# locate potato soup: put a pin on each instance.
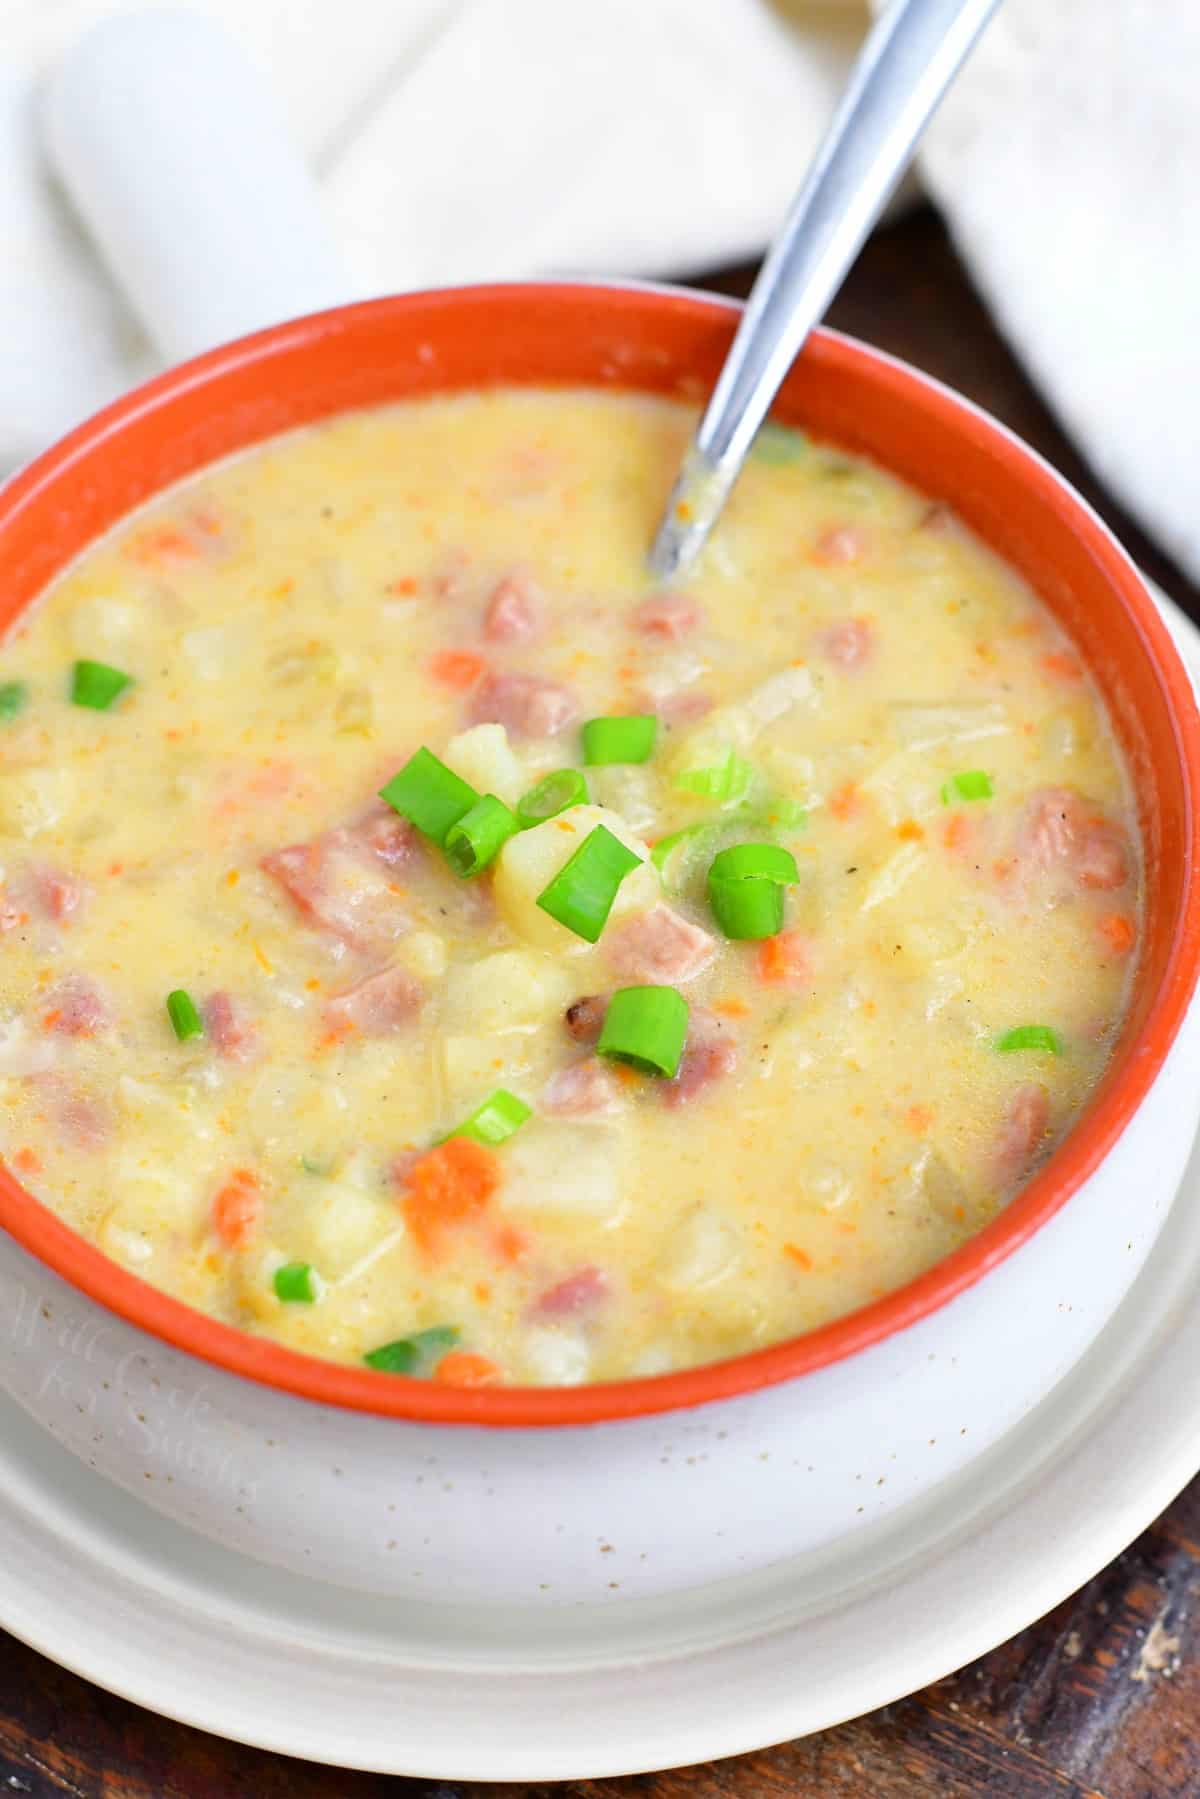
(714, 961)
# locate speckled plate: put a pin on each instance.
(137, 1604)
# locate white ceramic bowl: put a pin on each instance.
(557, 1496)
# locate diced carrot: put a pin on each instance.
(462, 1369)
(800, 1256)
(918, 1119)
(165, 543)
(28, 1161)
(1119, 932)
(1061, 666)
(237, 1211)
(457, 668)
(405, 585)
(448, 1188)
(954, 831)
(732, 1008)
(909, 831)
(510, 1243)
(846, 801)
(783, 960)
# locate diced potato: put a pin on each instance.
(213, 650)
(105, 626)
(339, 1223)
(923, 726)
(529, 862)
(22, 1053)
(905, 787)
(629, 790)
(513, 990)
(33, 800)
(423, 953)
(484, 757)
(772, 698)
(823, 1184)
(132, 1245)
(895, 873)
(153, 1105)
(703, 1249)
(555, 1356)
(562, 1170)
(471, 1066)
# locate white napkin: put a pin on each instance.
(466, 139)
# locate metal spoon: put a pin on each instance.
(908, 61)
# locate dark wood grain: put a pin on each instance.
(1100, 1700)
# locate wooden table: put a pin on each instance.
(1100, 1700)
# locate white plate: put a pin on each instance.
(142, 1607)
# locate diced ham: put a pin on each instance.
(57, 892)
(658, 946)
(526, 705)
(683, 707)
(230, 1027)
(514, 611)
(1022, 1132)
(75, 1007)
(849, 644)
(584, 1089)
(581, 1292)
(45, 892)
(667, 616)
(709, 1054)
(842, 544)
(341, 886)
(1061, 833)
(584, 1017)
(385, 834)
(383, 1003)
(81, 1119)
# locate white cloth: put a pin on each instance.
(467, 139)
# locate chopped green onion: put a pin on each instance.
(479, 836)
(1030, 1036)
(970, 784)
(314, 1165)
(747, 910)
(782, 814)
(646, 1027)
(430, 795)
(628, 739)
(495, 1120)
(745, 889)
(552, 795)
(297, 1283)
(181, 1010)
(755, 861)
(727, 780)
(418, 1354)
(779, 444)
(14, 697)
(97, 685)
(582, 892)
(661, 854)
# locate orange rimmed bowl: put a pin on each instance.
(404, 1486)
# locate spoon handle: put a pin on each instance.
(905, 66)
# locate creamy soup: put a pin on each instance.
(776, 993)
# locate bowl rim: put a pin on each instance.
(85, 1267)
